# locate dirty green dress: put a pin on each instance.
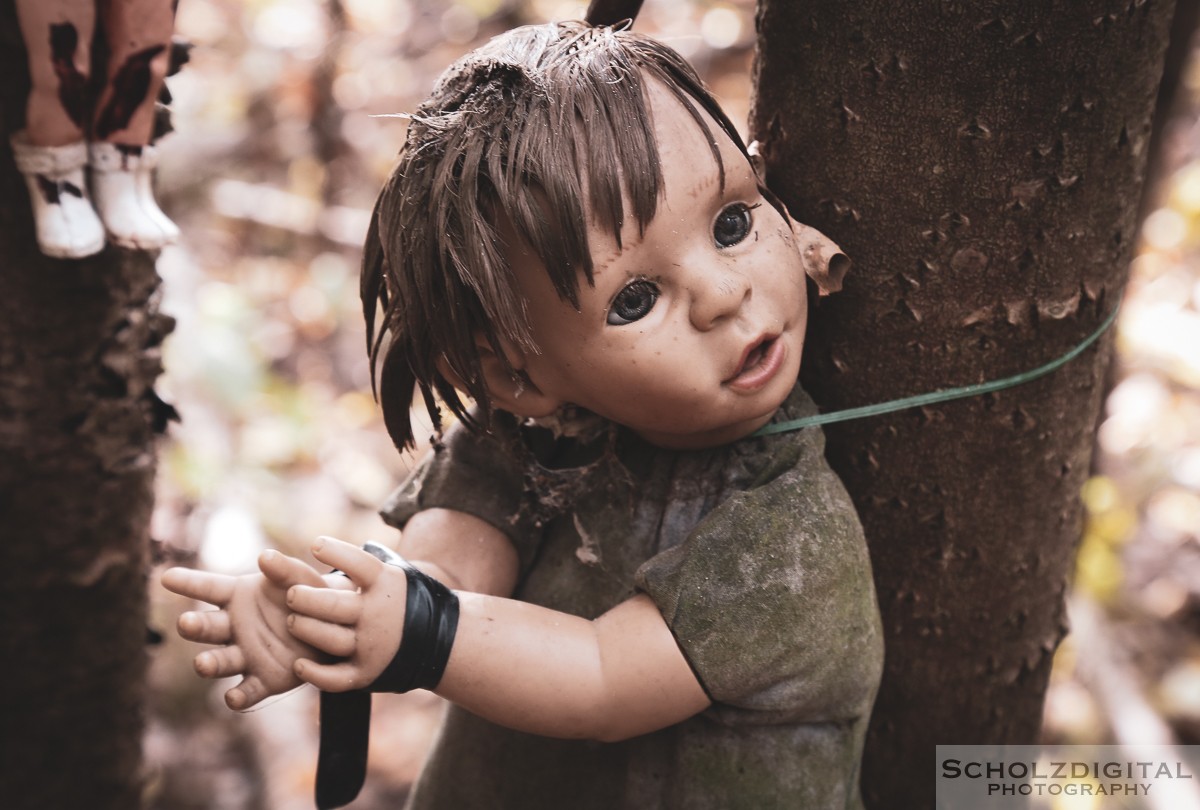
(754, 555)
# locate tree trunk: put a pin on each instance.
(981, 164)
(78, 358)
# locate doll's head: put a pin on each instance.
(574, 220)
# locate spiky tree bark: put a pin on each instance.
(981, 164)
(79, 353)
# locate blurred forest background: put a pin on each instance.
(283, 137)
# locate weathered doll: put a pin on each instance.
(652, 606)
(69, 127)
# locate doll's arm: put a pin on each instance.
(555, 674)
(516, 664)
(251, 625)
(461, 551)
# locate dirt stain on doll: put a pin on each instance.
(72, 84)
(129, 152)
(129, 88)
(52, 191)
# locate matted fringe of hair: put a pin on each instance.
(517, 131)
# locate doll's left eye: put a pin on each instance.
(732, 225)
(632, 303)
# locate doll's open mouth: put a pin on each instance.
(760, 363)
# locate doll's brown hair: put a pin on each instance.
(520, 131)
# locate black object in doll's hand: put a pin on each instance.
(342, 756)
(430, 623)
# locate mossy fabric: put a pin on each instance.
(754, 555)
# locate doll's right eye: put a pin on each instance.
(632, 303)
(733, 224)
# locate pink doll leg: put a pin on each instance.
(50, 151)
(138, 33)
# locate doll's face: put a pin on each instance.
(693, 332)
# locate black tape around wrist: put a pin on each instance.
(430, 623)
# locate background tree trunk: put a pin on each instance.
(78, 357)
(981, 164)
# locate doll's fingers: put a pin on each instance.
(284, 571)
(355, 563)
(339, 677)
(339, 581)
(335, 639)
(207, 627)
(216, 589)
(221, 662)
(247, 693)
(326, 604)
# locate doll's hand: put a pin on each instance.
(363, 628)
(251, 624)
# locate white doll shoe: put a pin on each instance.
(67, 225)
(121, 184)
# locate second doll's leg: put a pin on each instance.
(138, 33)
(58, 37)
(50, 151)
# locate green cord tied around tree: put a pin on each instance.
(944, 395)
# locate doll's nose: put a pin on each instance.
(717, 293)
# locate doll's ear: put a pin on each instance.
(824, 261)
(508, 387)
